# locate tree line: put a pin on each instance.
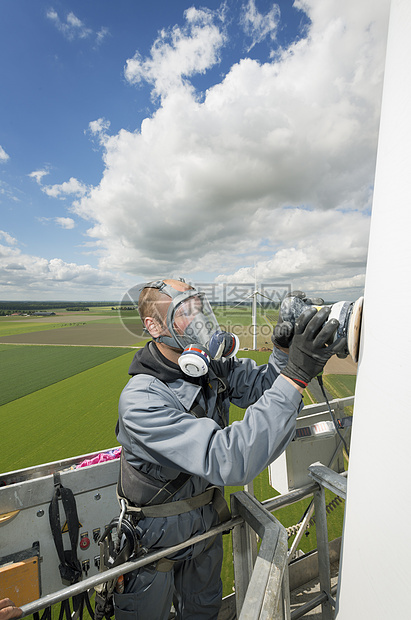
(28, 307)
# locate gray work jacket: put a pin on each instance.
(161, 438)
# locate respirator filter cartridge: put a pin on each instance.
(194, 361)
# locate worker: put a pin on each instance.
(8, 610)
(177, 443)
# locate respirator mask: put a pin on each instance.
(193, 327)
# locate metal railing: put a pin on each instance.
(264, 592)
(261, 579)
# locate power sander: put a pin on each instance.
(347, 313)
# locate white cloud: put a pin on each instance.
(3, 155)
(55, 278)
(68, 188)
(274, 166)
(38, 175)
(72, 27)
(101, 34)
(179, 53)
(11, 241)
(257, 25)
(100, 126)
(99, 130)
(10, 192)
(326, 255)
(65, 222)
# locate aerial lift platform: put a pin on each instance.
(29, 555)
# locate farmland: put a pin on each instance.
(60, 383)
(104, 327)
(27, 369)
(65, 329)
(75, 416)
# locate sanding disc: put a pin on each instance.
(354, 329)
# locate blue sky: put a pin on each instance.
(219, 141)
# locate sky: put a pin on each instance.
(223, 142)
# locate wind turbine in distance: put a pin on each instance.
(253, 296)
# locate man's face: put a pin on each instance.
(187, 318)
(186, 313)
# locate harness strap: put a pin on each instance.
(165, 564)
(131, 479)
(70, 567)
(220, 505)
(211, 495)
(170, 509)
(197, 410)
(167, 492)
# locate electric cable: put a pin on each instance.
(46, 615)
(321, 384)
(89, 606)
(65, 610)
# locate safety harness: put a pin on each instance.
(141, 496)
(146, 497)
(70, 567)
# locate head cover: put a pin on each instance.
(194, 329)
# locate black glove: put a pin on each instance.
(312, 345)
(283, 332)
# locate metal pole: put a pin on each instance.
(323, 551)
(254, 320)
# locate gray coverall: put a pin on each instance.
(161, 438)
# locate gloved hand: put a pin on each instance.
(223, 344)
(312, 345)
(283, 332)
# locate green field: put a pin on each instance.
(104, 328)
(11, 328)
(69, 328)
(27, 369)
(61, 401)
(238, 320)
(74, 416)
(340, 385)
